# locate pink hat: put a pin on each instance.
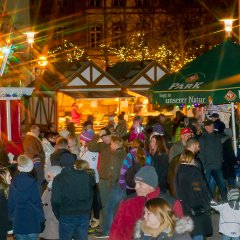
(86, 136)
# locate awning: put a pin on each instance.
(97, 94)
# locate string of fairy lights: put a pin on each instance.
(68, 51)
(138, 50)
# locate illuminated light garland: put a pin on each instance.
(72, 52)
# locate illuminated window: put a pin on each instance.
(94, 3)
(95, 36)
(118, 3)
(117, 35)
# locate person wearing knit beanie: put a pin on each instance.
(25, 164)
(86, 136)
(147, 175)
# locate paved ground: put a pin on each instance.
(216, 235)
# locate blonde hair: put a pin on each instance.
(187, 156)
(3, 181)
(84, 166)
(162, 210)
(81, 165)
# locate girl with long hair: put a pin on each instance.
(136, 154)
(159, 222)
(159, 153)
(5, 180)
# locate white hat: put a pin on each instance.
(64, 133)
(25, 164)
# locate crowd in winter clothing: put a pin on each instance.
(152, 182)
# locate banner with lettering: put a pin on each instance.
(214, 77)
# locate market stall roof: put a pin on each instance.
(137, 76)
(96, 94)
(212, 77)
(91, 78)
(55, 75)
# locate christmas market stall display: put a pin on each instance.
(94, 92)
(212, 78)
(136, 78)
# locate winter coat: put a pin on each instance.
(4, 223)
(135, 135)
(72, 193)
(229, 157)
(32, 146)
(24, 204)
(127, 163)
(211, 151)
(91, 158)
(51, 230)
(105, 156)
(117, 158)
(229, 221)
(191, 189)
(63, 158)
(182, 229)
(160, 163)
(131, 210)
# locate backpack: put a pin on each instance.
(130, 174)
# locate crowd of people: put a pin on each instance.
(158, 181)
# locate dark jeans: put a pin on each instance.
(115, 196)
(217, 174)
(32, 236)
(74, 227)
(96, 205)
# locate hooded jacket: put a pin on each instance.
(63, 158)
(182, 229)
(24, 204)
(72, 193)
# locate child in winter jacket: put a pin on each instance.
(229, 215)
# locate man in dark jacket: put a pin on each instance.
(218, 124)
(101, 144)
(72, 193)
(62, 156)
(116, 193)
(211, 155)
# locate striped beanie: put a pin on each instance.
(86, 136)
(233, 195)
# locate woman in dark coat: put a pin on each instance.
(159, 154)
(191, 189)
(25, 209)
(5, 226)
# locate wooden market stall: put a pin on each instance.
(136, 78)
(95, 92)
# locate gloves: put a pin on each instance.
(42, 226)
